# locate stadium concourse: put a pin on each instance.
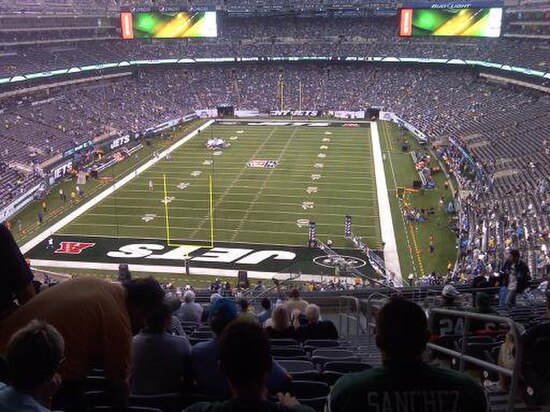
(327, 125)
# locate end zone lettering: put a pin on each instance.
(215, 255)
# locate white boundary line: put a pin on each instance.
(391, 256)
(113, 267)
(107, 192)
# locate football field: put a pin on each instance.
(259, 194)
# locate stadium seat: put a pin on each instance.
(202, 335)
(283, 342)
(128, 409)
(322, 356)
(167, 402)
(292, 366)
(346, 367)
(287, 352)
(311, 393)
(322, 343)
(330, 377)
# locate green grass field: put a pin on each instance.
(252, 205)
(322, 174)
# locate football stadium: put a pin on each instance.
(226, 205)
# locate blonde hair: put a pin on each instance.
(280, 318)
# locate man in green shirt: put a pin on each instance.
(405, 383)
(245, 361)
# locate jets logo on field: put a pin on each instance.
(196, 173)
(311, 189)
(265, 164)
(182, 185)
(307, 205)
(73, 248)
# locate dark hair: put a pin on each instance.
(515, 254)
(243, 304)
(144, 293)
(266, 303)
(155, 320)
(294, 293)
(33, 355)
(244, 353)
(401, 329)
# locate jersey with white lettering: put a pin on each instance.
(407, 387)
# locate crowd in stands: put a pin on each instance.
(111, 344)
(54, 45)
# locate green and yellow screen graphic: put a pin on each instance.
(146, 25)
(470, 22)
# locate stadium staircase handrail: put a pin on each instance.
(512, 373)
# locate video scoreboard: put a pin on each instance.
(473, 19)
(167, 24)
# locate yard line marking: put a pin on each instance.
(246, 201)
(304, 235)
(219, 218)
(262, 187)
(228, 189)
(152, 208)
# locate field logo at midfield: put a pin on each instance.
(263, 164)
(73, 248)
(148, 217)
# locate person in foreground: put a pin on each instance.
(405, 382)
(245, 362)
(96, 319)
(34, 353)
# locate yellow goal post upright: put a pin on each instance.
(210, 217)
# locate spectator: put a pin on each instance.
(205, 313)
(295, 301)
(267, 310)
(189, 311)
(516, 277)
(33, 355)
(247, 312)
(246, 363)
(280, 327)
(315, 328)
(16, 275)
(96, 319)
(160, 361)
(205, 355)
(443, 327)
(401, 336)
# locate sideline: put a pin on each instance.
(107, 192)
(179, 270)
(391, 256)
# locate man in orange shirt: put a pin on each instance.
(96, 318)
